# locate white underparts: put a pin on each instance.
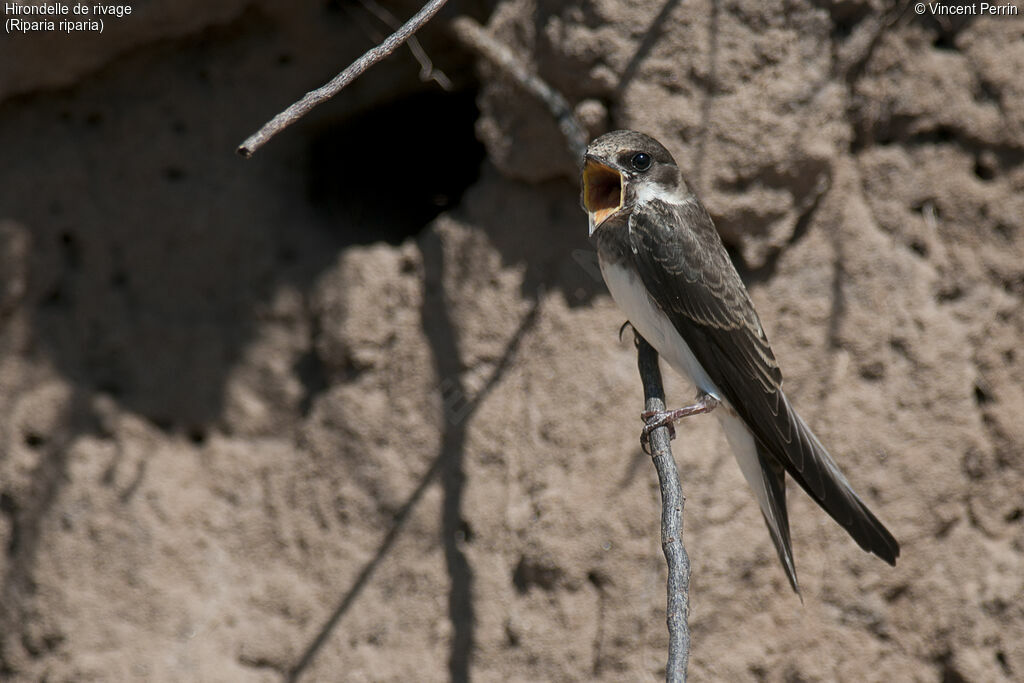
(650, 321)
(646, 316)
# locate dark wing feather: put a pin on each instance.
(689, 273)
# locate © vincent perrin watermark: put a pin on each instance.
(973, 9)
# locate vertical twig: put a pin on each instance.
(473, 36)
(672, 502)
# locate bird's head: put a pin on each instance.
(622, 168)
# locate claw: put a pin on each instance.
(653, 419)
(661, 420)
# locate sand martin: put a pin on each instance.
(667, 269)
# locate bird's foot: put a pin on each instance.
(653, 419)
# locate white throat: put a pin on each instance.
(648, 191)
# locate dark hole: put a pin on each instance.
(945, 29)
(1014, 285)
(948, 671)
(1014, 515)
(984, 170)
(919, 247)
(384, 174)
(466, 531)
(987, 92)
(950, 292)
(1005, 230)
(896, 592)
(981, 394)
(529, 573)
(873, 371)
(944, 41)
(33, 440)
(1003, 664)
(9, 507)
(313, 375)
(842, 29)
(197, 435)
(519, 578)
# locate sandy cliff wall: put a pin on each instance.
(356, 409)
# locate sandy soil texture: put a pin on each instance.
(356, 409)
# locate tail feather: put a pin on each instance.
(767, 479)
(777, 518)
(836, 496)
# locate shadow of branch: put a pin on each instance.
(458, 410)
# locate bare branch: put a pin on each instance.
(427, 70)
(473, 36)
(326, 92)
(672, 501)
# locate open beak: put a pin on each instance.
(602, 192)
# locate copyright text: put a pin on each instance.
(974, 9)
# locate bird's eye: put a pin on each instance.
(641, 161)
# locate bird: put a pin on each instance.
(666, 268)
